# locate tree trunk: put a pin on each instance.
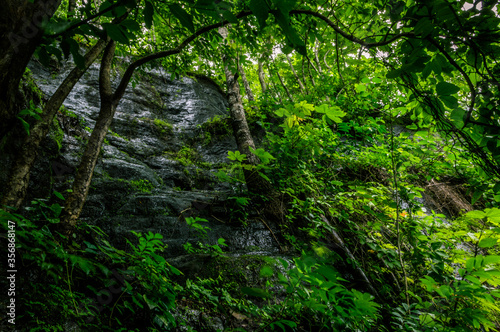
(17, 185)
(255, 183)
(301, 85)
(20, 35)
(284, 87)
(309, 64)
(262, 78)
(246, 84)
(83, 178)
(316, 58)
(325, 62)
(71, 7)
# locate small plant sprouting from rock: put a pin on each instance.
(215, 127)
(142, 185)
(163, 127)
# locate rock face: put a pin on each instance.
(157, 166)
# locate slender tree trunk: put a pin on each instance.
(301, 85)
(262, 79)
(309, 64)
(71, 7)
(20, 35)
(325, 62)
(24, 159)
(304, 75)
(246, 84)
(255, 183)
(284, 87)
(83, 178)
(316, 58)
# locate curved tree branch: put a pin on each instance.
(348, 36)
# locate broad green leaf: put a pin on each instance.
(281, 112)
(266, 271)
(183, 16)
(424, 27)
(229, 16)
(493, 213)
(360, 87)
(261, 11)
(491, 259)
(335, 114)
(476, 214)
(469, 264)
(449, 101)
(457, 115)
(285, 5)
(394, 73)
(258, 292)
(131, 25)
(26, 125)
(477, 195)
(446, 89)
(236, 155)
(321, 108)
(487, 242)
(59, 195)
(263, 155)
(148, 14)
(115, 33)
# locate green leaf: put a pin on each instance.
(281, 112)
(183, 16)
(148, 14)
(131, 25)
(266, 271)
(236, 155)
(449, 101)
(487, 243)
(335, 114)
(115, 32)
(469, 264)
(59, 195)
(424, 27)
(446, 89)
(261, 11)
(263, 155)
(258, 292)
(394, 73)
(229, 16)
(492, 213)
(26, 125)
(476, 214)
(491, 259)
(285, 5)
(360, 87)
(321, 108)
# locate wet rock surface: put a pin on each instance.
(143, 182)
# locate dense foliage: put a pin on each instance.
(379, 130)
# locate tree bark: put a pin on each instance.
(246, 84)
(284, 87)
(309, 64)
(20, 35)
(24, 159)
(301, 85)
(316, 58)
(262, 79)
(83, 178)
